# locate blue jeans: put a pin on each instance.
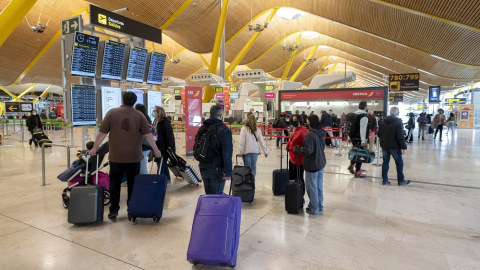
(314, 185)
(212, 178)
(279, 139)
(143, 163)
(397, 156)
(250, 160)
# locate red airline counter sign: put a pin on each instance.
(333, 94)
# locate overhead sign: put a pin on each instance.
(26, 106)
(12, 107)
(177, 91)
(233, 89)
(422, 106)
(434, 93)
(113, 21)
(219, 96)
(218, 89)
(404, 82)
(269, 87)
(85, 53)
(395, 97)
(234, 96)
(270, 95)
(455, 101)
(70, 25)
(364, 94)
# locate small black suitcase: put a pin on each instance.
(280, 178)
(243, 183)
(294, 194)
(86, 202)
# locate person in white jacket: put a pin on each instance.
(249, 148)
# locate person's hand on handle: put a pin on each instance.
(157, 153)
(93, 152)
(266, 155)
(404, 151)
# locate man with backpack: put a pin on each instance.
(358, 133)
(213, 149)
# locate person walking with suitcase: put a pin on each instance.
(33, 122)
(214, 149)
(358, 134)
(393, 144)
(439, 121)
(145, 147)
(297, 138)
(126, 128)
(165, 138)
(249, 148)
(314, 163)
(422, 125)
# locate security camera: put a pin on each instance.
(39, 28)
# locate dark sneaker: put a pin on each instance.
(112, 215)
(360, 174)
(386, 183)
(405, 182)
(351, 169)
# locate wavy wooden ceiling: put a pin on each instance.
(375, 37)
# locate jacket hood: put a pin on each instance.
(319, 132)
(300, 128)
(390, 119)
(212, 121)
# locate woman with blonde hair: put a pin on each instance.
(165, 137)
(250, 138)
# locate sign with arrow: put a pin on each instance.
(12, 108)
(70, 25)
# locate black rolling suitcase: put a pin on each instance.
(40, 137)
(86, 202)
(294, 194)
(280, 178)
(243, 183)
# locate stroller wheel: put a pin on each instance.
(106, 197)
(65, 201)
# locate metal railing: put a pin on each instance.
(43, 158)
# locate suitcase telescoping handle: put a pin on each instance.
(87, 172)
(159, 165)
(220, 182)
(281, 155)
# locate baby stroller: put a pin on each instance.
(75, 174)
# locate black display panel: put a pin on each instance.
(156, 67)
(85, 53)
(434, 94)
(113, 59)
(83, 105)
(137, 60)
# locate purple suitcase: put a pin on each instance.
(215, 230)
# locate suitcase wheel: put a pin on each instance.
(106, 197)
(65, 201)
(156, 219)
(195, 263)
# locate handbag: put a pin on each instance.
(408, 126)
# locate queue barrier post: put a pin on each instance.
(340, 143)
(378, 154)
(43, 158)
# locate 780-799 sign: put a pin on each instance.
(404, 82)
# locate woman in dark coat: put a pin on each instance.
(165, 137)
(33, 122)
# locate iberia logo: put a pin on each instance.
(196, 95)
(371, 94)
(102, 19)
(309, 107)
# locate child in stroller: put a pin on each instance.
(75, 174)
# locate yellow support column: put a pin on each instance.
(247, 47)
(290, 60)
(10, 94)
(176, 14)
(44, 94)
(27, 90)
(12, 15)
(302, 66)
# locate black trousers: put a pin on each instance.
(117, 170)
(440, 127)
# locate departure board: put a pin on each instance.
(137, 61)
(83, 105)
(113, 58)
(85, 53)
(156, 67)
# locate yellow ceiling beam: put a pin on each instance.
(204, 61)
(304, 63)
(26, 90)
(45, 49)
(323, 65)
(15, 98)
(292, 57)
(12, 15)
(331, 70)
(247, 47)
(176, 14)
(218, 37)
(44, 94)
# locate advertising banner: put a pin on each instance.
(111, 98)
(219, 96)
(455, 101)
(404, 82)
(154, 98)
(270, 95)
(193, 116)
(60, 110)
(466, 116)
(233, 95)
(333, 95)
(434, 94)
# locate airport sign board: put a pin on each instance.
(71, 25)
(404, 82)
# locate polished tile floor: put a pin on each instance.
(434, 223)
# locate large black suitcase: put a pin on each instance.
(86, 202)
(243, 183)
(280, 178)
(40, 137)
(294, 194)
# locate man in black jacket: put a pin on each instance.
(33, 122)
(219, 169)
(393, 143)
(326, 122)
(314, 163)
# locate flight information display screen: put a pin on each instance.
(83, 105)
(113, 58)
(137, 61)
(156, 67)
(85, 53)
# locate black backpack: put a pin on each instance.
(204, 149)
(352, 125)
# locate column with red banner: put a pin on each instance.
(192, 107)
(226, 94)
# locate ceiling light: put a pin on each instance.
(289, 13)
(323, 48)
(310, 34)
